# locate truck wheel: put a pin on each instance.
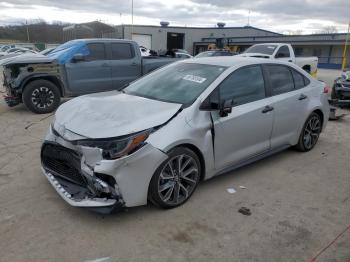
(307, 68)
(41, 96)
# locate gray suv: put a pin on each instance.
(186, 122)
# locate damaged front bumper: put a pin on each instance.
(64, 188)
(78, 187)
(341, 93)
(84, 179)
(12, 97)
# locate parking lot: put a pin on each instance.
(299, 204)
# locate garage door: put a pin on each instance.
(143, 40)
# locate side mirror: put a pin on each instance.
(211, 103)
(78, 58)
(226, 107)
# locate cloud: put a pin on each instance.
(275, 15)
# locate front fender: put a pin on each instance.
(50, 77)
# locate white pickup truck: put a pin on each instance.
(284, 52)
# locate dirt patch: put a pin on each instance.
(192, 231)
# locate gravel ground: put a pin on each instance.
(299, 202)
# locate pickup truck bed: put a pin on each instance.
(151, 63)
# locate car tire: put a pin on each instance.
(175, 179)
(41, 96)
(310, 133)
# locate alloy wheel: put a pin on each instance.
(311, 132)
(178, 179)
(42, 97)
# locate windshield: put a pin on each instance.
(178, 83)
(66, 46)
(66, 51)
(261, 49)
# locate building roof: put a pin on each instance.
(205, 28)
(311, 38)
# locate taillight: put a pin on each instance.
(326, 89)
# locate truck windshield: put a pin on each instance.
(261, 49)
(178, 83)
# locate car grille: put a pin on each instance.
(62, 162)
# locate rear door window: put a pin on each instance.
(122, 51)
(280, 78)
(244, 85)
(97, 51)
(300, 81)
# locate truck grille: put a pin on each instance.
(62, 162)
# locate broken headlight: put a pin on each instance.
(119, 147)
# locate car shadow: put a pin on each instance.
(150, 210)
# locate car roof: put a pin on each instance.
(103, 40)
(271, 44)
(233, 61)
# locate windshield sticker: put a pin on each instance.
(193, 78)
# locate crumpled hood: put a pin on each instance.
(112, 114)
(28, 59)
(11, 57)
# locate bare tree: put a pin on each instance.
(295, 32)
(329, 30)
(37, 29)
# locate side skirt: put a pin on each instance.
(252, 159)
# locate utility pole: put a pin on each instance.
(248, 18)
(345, 49)
(28, 39)
(132, 17)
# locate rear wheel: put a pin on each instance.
(176, 178)
(41, 96)
(307, 68)
(310, 133)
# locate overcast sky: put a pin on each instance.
(276, 15)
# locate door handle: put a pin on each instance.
(134, 64)
(290, 61)
(302, 97)
(267, 109)
(105, 65)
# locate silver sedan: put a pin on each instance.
(189, 121)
